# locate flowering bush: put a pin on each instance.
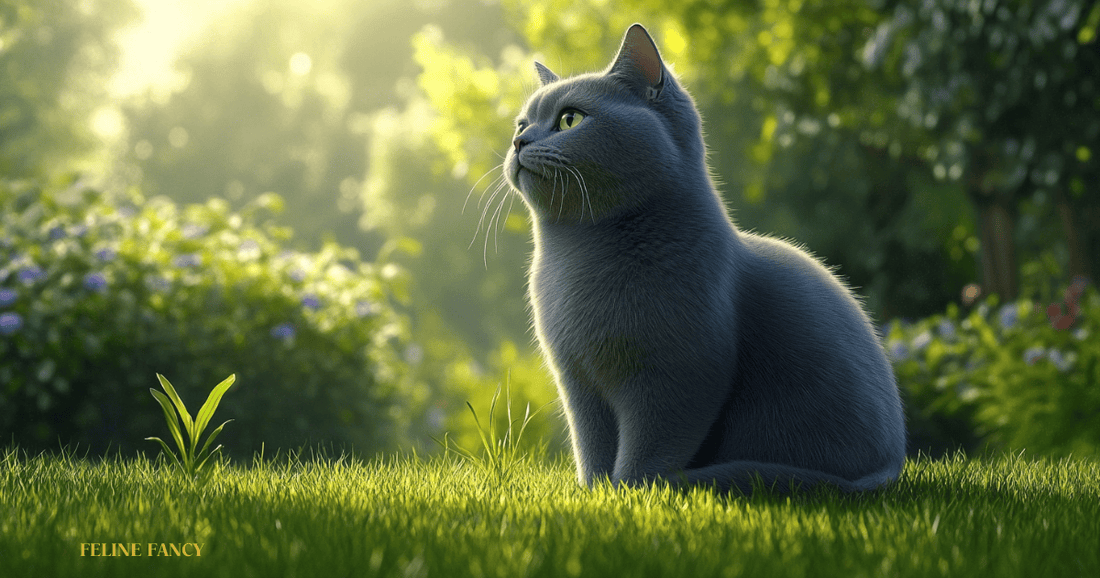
(98, 296)
(1019, 375)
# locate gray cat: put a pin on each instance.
(682, 348)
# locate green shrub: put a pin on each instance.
(1022, 375)
(98, 295)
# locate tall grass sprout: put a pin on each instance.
(502, 453)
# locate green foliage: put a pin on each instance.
(56, 57)
(1005, 517)
(97, 295)
(281, 96)
(824, 189)
(1020, 375)
(191, 464)
(249, 120)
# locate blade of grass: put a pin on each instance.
(480, 431)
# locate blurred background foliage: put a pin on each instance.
(942, 154)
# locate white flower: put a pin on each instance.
(921, 341)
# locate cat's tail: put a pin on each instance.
(744, 475)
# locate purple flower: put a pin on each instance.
(106, 254)
(283, 331)
(95, 282)
(7, 297)
(1033, 354)
(10, 323)
(946, 329)
(159, 284)
(29, 275)
(310, 301)
(187, 260)
(1063, 362)
(57, 232)
(898, 351)
(1008, 315)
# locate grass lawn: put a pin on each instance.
(1006, 516)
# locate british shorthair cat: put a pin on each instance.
(683, 348)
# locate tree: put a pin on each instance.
(907, 85)
(722, 58)
(55, 59)
(999, 97)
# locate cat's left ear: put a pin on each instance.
(545, 75)
(639, 62)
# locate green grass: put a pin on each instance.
(1005, 516)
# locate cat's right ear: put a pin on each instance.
(639, 63)
(545, 75)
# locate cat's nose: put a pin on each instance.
(519, 142)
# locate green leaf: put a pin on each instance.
(210, 439)
(207, 410)
(164, 446)
(184, 414)
(202, 463)
(173, 422)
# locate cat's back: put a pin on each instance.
(807, 350)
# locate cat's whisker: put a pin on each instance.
(511, 203)
(496, 216)
(485, 246)
(564, 184)
(476, 231)
(485, 211)
(554, 189)
(489, 226)
(487, 173)
(495, 183)
(584, 191)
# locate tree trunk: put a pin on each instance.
(998, 250)
(1089, 219)
(1078, 262)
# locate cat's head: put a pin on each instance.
(600, 144)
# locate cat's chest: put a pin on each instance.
(586, 294)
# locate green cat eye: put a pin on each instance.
(570, 119)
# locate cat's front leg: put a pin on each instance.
(660, 432)
(592, 431)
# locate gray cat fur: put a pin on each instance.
(682, 348)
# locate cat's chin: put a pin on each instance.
(527, 181)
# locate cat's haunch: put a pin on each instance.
(682, 348)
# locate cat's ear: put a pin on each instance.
(545, 75)
(639, 63)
